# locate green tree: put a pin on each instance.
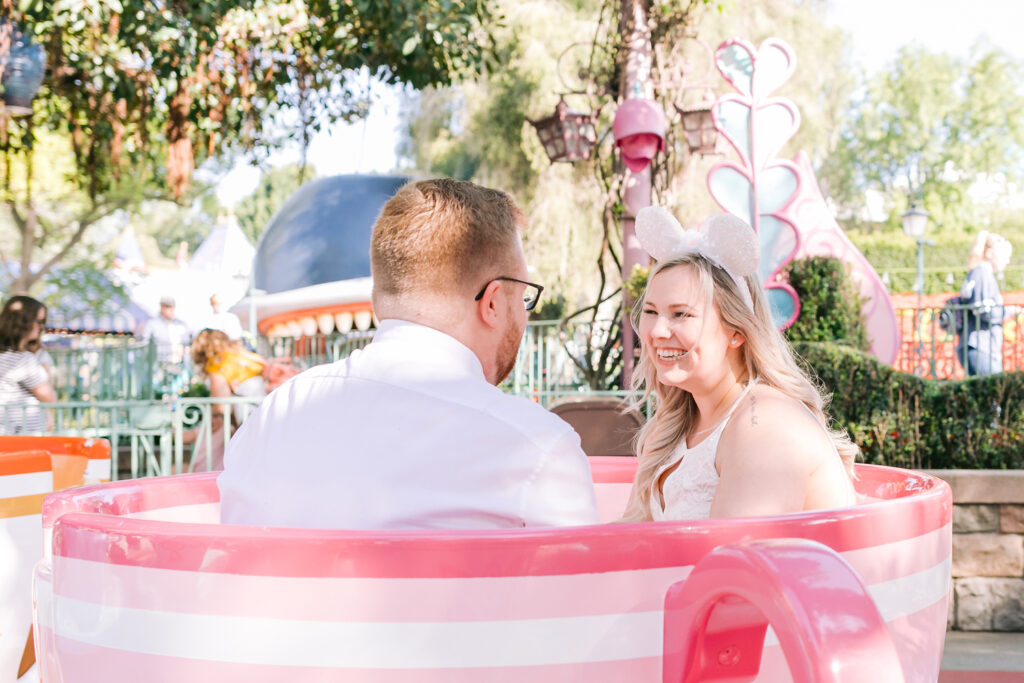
(276, 185)
(142, 91)
(932, 125)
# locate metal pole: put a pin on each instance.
(916, 313)
(920, 272)
(637, 194)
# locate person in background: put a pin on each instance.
(979, 348)
(738, 429)
(169, 333)
(23, 381)
(230, 370)
(412, 431)
(222, 319)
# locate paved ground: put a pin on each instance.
(971, 657)
(968, 657)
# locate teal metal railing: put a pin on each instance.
(928, 350)
(548, 363)
(147, 437)
(306, 352)
(104, 369)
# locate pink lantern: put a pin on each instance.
(639, 130)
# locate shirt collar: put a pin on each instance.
(439, 345)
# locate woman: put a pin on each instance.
(24, 383)
(738, 429)
(231, 370)
(979, 347)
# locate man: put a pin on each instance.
(168, 332)
(411, 432)
(221, 319)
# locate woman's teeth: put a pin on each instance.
(671, 355)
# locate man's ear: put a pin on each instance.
(487, 307)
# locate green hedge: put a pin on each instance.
(896, 254)
(902, 420)
(830, 307)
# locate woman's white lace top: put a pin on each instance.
(690, 488)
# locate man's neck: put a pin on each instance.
(457, 324)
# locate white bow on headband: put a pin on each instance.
(723, 239)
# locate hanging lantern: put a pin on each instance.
(567, 135)
(23, 70)
(699, 129)
(639, 131)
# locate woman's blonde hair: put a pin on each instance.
(768, 358)
(982, 243)
(208, 345)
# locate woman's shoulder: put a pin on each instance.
(13, 357)
(20, 365)
(765, 400)
(769, 419)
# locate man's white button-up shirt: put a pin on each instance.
(405, 433)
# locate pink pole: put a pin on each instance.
(637, 194)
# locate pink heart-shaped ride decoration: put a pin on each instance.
(775, 122)
(735, 61)
(775, 63)
(731, 188)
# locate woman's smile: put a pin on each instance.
(670, 355)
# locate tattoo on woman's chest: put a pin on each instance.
(753, 410)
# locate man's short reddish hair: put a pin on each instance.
(443, 236)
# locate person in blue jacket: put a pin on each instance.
(979, 347)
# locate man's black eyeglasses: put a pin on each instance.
(531, 295)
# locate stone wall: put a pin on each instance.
(988, 549)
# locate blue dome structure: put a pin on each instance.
(322, 233)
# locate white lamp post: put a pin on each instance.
(915, 223)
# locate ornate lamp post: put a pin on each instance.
(22, 66)
(915, 223)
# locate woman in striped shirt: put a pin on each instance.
(23, 381)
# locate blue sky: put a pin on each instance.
(879, 28)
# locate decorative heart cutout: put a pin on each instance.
(731, 116)
(777, 184)
(775, 122)
(735, 61)
(779, 242)
(775, 64)
(783, 302)
(730, 187)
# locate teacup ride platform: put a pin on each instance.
(143, 583)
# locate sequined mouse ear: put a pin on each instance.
(732, 243)
(660, 234)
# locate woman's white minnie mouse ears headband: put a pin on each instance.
(723, 239)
